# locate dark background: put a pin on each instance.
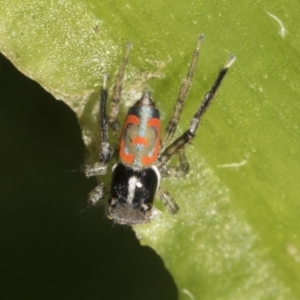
(50, 246)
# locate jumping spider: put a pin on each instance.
(142, 156)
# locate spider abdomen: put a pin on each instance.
(140, 138)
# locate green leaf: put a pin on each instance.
(236, 235)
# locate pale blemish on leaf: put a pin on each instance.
(234, 165)
(282, 28)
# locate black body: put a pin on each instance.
(132, 194)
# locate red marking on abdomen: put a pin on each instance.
(127, 158)
(139, 140)
(146, 161)
(150, 160)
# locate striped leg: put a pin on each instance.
(180, 143)
(185, 87)
(106, 151)
(167, 200)
(117, 90)
(176, 171)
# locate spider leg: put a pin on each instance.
(167, 201)
(180, 143)
(117, 89)
(95, 196)
(106, 151)
(176, 171)
(185, 87)
(95, 169)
